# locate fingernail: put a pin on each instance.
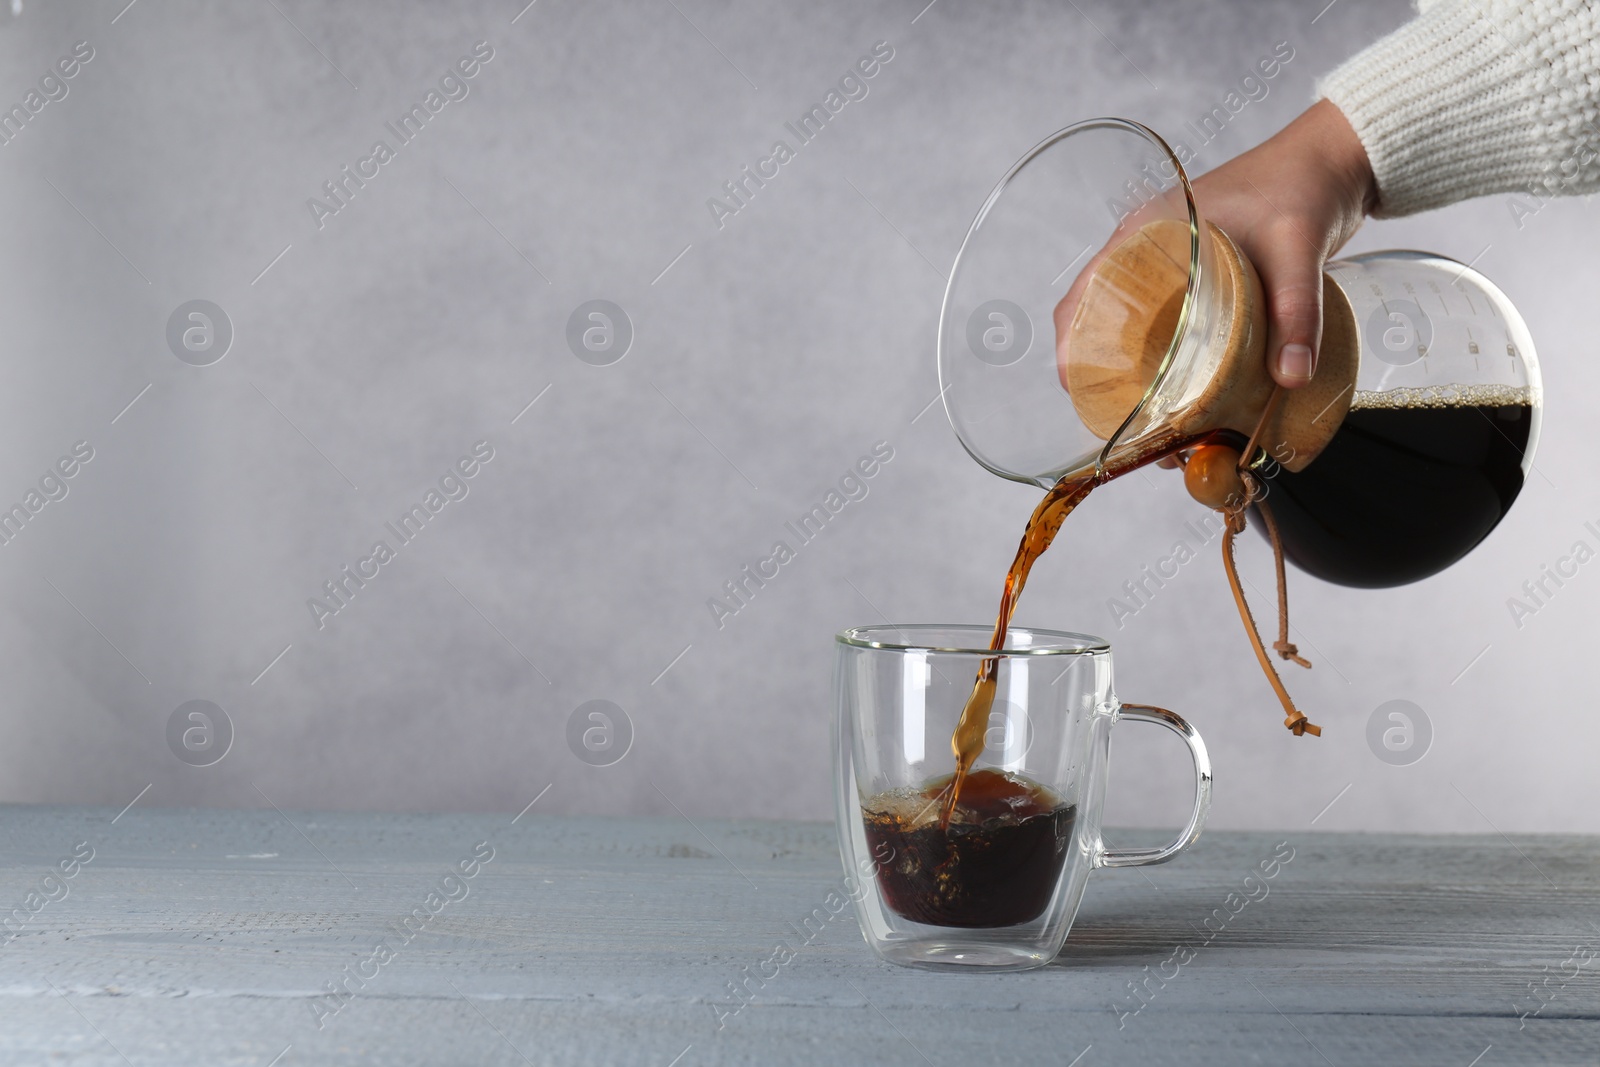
(1294, 362)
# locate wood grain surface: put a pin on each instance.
(214, 937)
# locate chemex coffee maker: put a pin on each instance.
(1403, 452)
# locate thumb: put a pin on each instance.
(1291, 276)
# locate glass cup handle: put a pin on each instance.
(1139, 857)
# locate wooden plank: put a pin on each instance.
(213, 936)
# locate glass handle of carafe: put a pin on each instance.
(1140, 857)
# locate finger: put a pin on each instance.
(1291, 275)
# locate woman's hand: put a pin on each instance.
(1290, 203)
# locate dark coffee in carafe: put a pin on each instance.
(1413, 481)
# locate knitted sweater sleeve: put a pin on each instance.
(1474, 97)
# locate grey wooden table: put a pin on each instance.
(254, 937)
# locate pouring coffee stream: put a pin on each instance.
(1404, 451)
(968, 739)
(1216, 472)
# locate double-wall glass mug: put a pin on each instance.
(998, 886)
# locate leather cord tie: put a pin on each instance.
(1235, 521)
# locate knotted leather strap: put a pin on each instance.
(1234, 516)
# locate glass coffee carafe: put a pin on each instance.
(1094, 320)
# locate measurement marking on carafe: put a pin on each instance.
(890, 1021)
(124, 11)
(1290, 1021)
(1081, 1055)
(1332, 402)
(281, 1055)
(924, 11)
(1480, 1056)
(673, 664)
(1324, 11)
(1475, 659)
(1330, 804)
(132, 402)
(523, 12)
(1057, 279)
(689, 1046)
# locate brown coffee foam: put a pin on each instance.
(1443, 396)
(914, 808)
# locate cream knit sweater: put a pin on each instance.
(1475, 97)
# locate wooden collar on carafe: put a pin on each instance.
(1129, 311)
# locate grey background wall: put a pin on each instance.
(371, 351)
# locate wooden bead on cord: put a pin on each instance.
(1212, 476)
